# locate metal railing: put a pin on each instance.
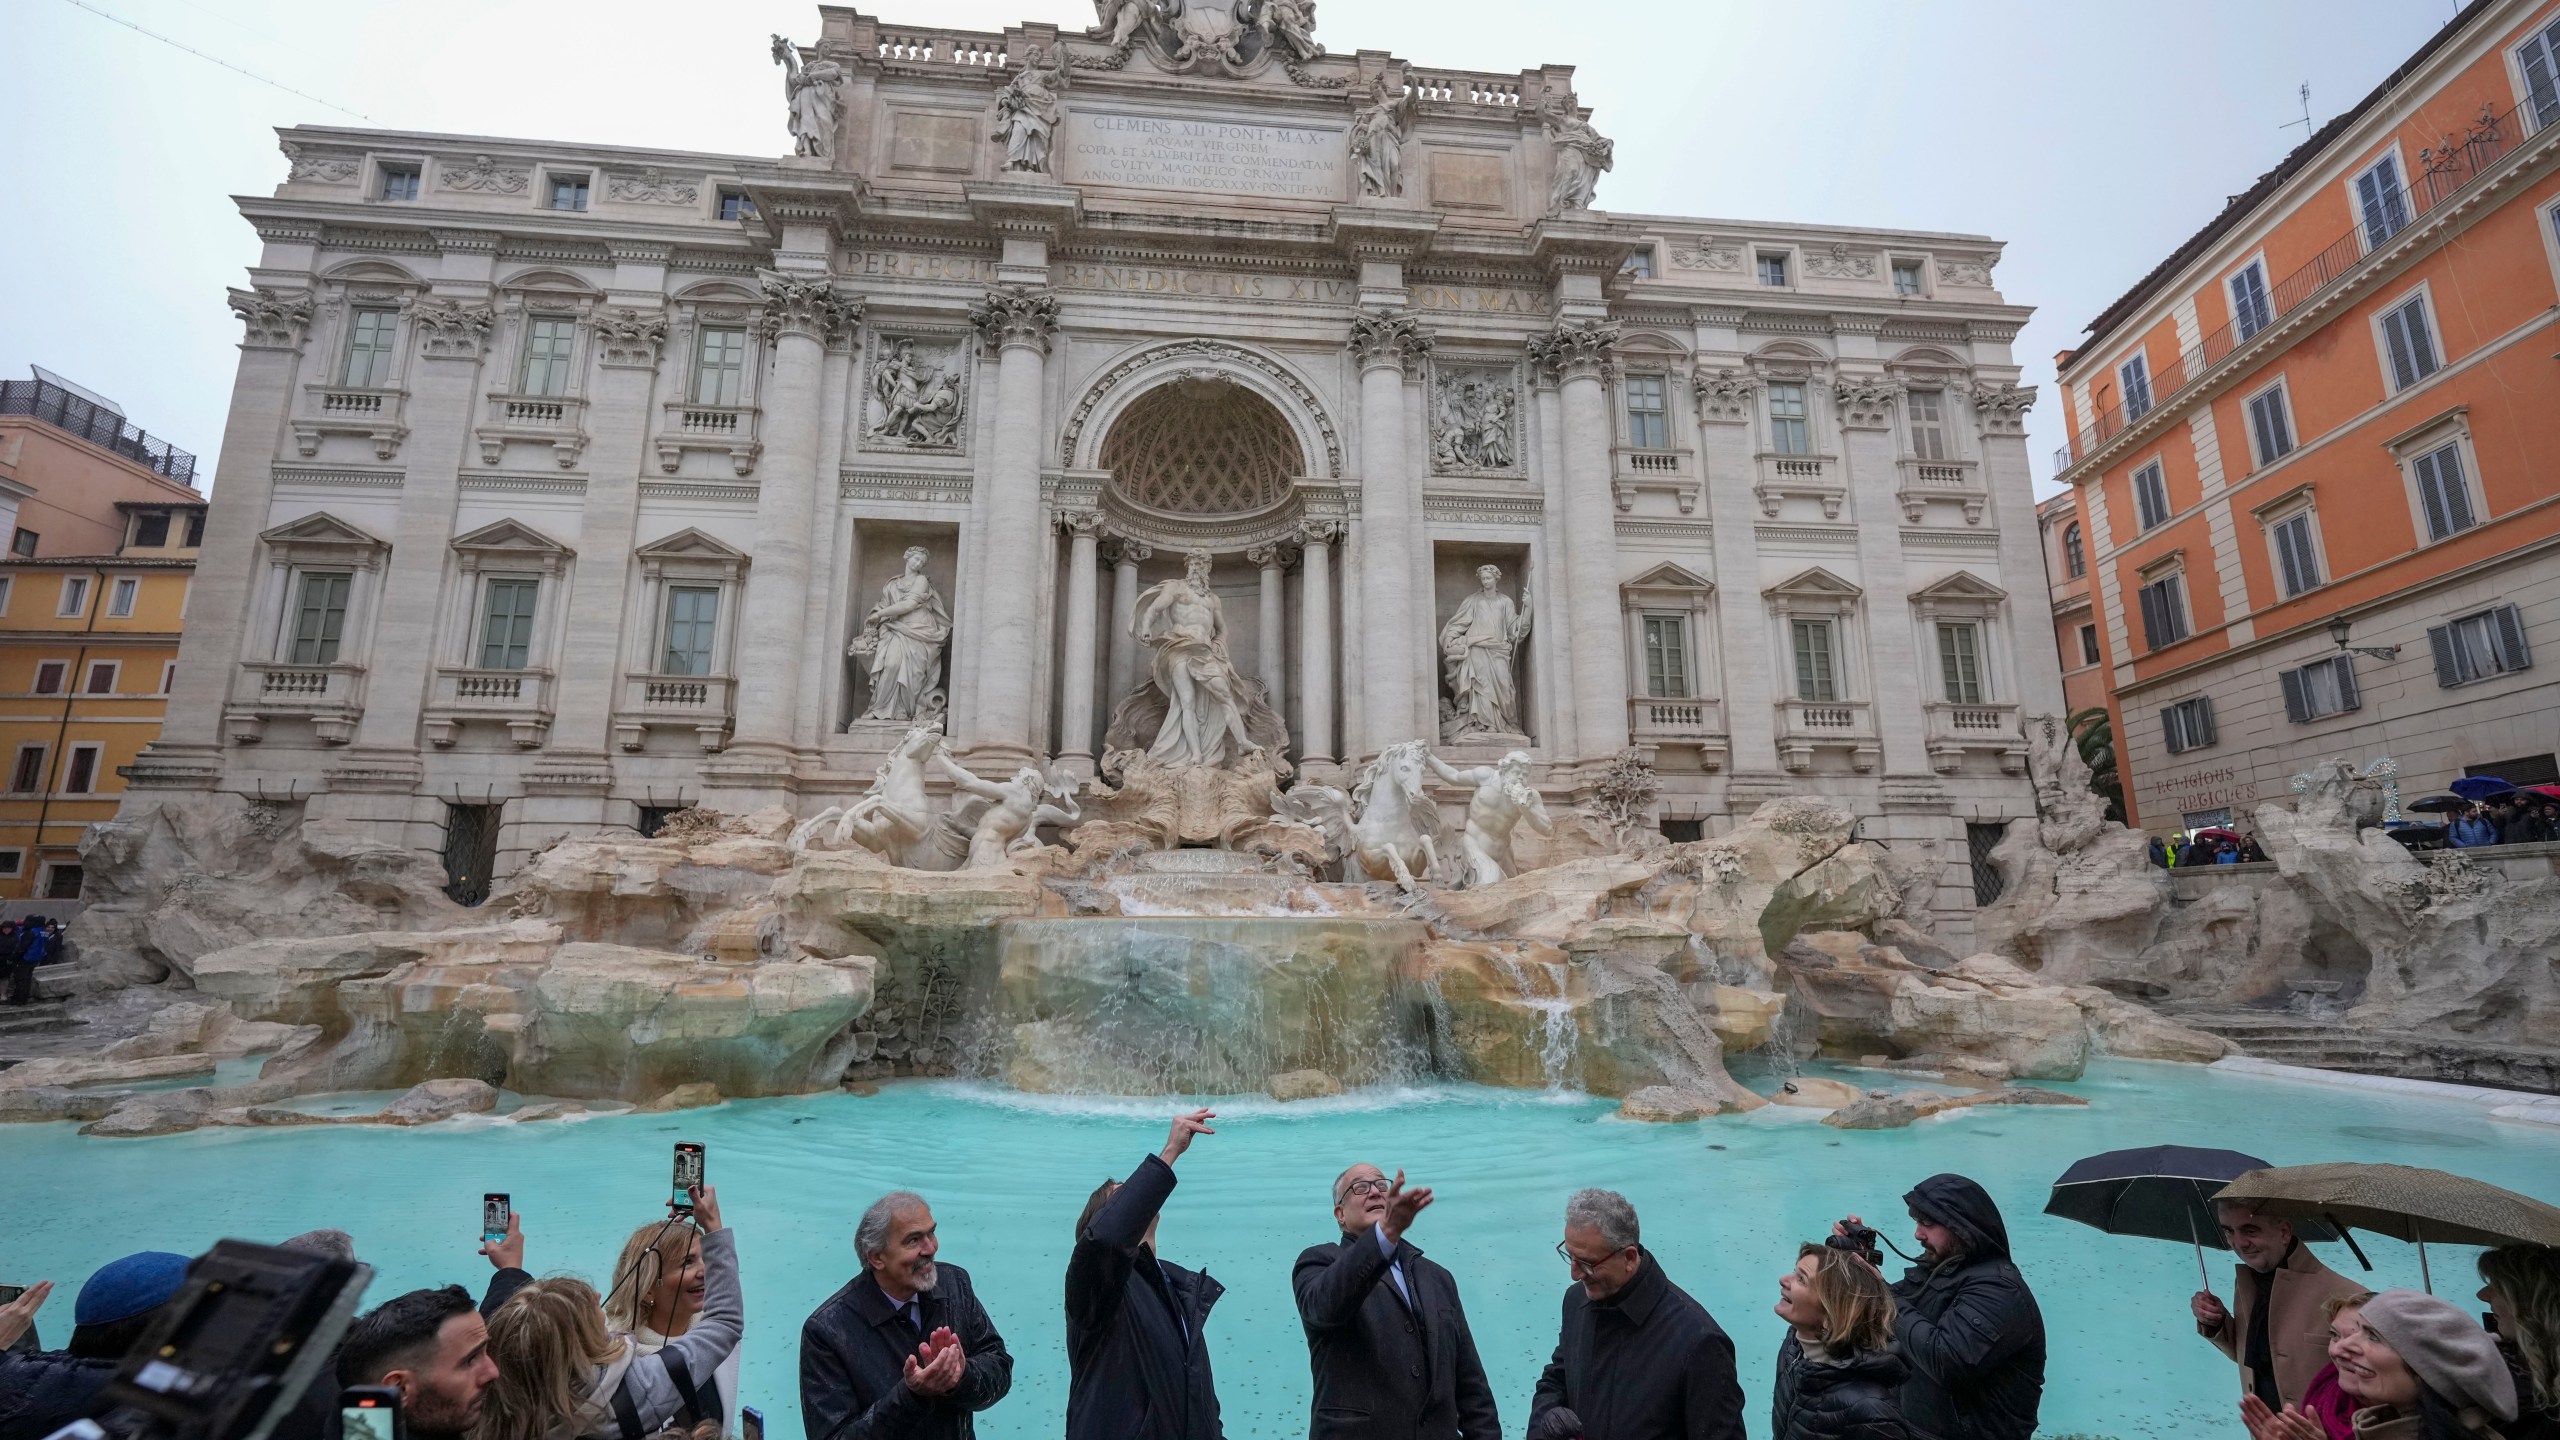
(99, 426)
(2442, 173)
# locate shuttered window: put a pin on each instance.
(2476, 647)
(2135, 375)
(2270, 428)
(2164, 611)
(320, 618)
(2411, 344)
(2151, 495)
(2321, 688)
(546, 355)
(1648, 425)
(1817, 675)
(2382, 201)
(2539, 59)
(2297, 558)
(2188, 725)
(506, 636)
(1960, 663)
(2251, 311)
(369, 335)
(2442, 494)
(1666, 657)
(1788, 431)
(693, 613)
(1929, 424)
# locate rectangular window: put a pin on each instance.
(2321, 688)
(168, 676)
(1789, 433)
(2251, 311)
(2382, 202)
(2075, 555)
(52, 676)
(506, 634)
(13, 862)
(1639, 266)
(1906, 277)
(1960, 663)
(80, 776)
(2088, 644)
(26, 776)
(151, 529)
(7, 583)
(2164, 611)
(2188, 725)
(120, 598)
(546, 354)
(2135, 375)
(2442, 492)
(399, 182)
(693, 613)
(1817, 675)
(2476, 647)
(1666, 657)
(719, 361)
(734, 205)
(1929, 424)
(320, 618)
(2270, 428)
(2297, 559)
(2539, 59)
(102, 678)
(1773, 269)
(62, 881)
(568, 192)
(2151, 495)
(2411, 343)
(369, 336)
(1648, 427)
(195, 528)
(75, 595)
(24, 542)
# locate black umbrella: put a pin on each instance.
(2437, 804)
(2161, 1192)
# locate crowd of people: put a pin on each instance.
(1954, 1350)
(2517, 817)
(25, 945)
(2205, 847)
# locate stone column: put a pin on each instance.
(628, 342)
(1385, 343)
(1075, 709)
(1315, 643)
(1864, 408)
(188, 752)
(2001, 412)
(801, 313)
(1576, 355)
(1017, 320)
(1124, 619)
(1272, 639)
(1752, 678)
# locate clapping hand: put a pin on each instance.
(1402, 1206)
(507, 1254)
(1184, 1127)
(936, 1367)
(2291, 1424)
(19, 1314)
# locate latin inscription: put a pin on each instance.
(902, 265)
(1218, 284)
(1484, 299)
(1153, 152)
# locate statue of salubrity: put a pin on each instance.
(901, 641)
(811, 90)
(1028, 112)
(1477, 648)
(1582, 155)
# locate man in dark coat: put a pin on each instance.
(1637, 1359)
(1137, 1357)
(1388, 1340)
(904, 1349)
(41, 1393)
(1967, 1324)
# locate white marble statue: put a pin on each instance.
(902, 639)
(1377, 139)
(1181, 621)
(1582, 154)
(919, 400)
(1386, 828)
(895, 820)
(1016, 808)
(1502, 801)
(1290, 26)
(1027, 112)
(813, 90)
(1477, 647)
(1121, 20)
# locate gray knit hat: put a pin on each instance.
(2445, 1348)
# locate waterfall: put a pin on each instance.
(1544, 991)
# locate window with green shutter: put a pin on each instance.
(506, 632)
(1960, 662)
(1817, 673)
(369, 337)
(320, 618)
(1666, 657)
(546, 354)
(693, 614)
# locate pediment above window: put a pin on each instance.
(1814, 585)
(1667, 584)
(511, 545)
(324, 539)
(691, 553)
(1962, 585)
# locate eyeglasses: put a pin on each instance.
(1580, 1265)
(1364, 1187)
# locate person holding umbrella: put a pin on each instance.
(2277, 1325)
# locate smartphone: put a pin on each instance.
(750, 1423)
(11, 1292)
(688, 1175)
(371, 1412)
(496, 1211)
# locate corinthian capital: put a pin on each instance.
(272, 321)
(631, 337)
(1724, 396)
(1388, 337)
(796, 305)
(451, 329)
(1077, 523)
(1866, 402)
(1011, 315)
(2002, 409)
(1575, 350)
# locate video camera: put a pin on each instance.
(232, 1353)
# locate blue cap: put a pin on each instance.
(125, 1288)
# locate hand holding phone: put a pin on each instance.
(688, 1177)
(371, 1412)
(507, 1251)
(496, 1214)
(18, 1307)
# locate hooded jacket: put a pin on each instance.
(1855, 1398)
(41, 1393)
(1968, 1326)
(1648, 1363)
(1137, 1343)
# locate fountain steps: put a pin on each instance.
(2333, 1045)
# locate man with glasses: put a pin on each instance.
(1637, 1358)
(1386, 1336)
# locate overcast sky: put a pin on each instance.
(2092, 136)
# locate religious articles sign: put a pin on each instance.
(1163, 152)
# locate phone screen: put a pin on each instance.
(495, 1212)
(11, 1292)
(369, 1412)
(750, 1423)
(688, 1175)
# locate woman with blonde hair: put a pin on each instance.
(658, 1284)
(563, 1375)
(2521, 1286)
(1838, 1375)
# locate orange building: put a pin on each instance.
(93, 591)
(2315, 453)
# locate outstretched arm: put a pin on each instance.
(1443, 769)
(965, 782)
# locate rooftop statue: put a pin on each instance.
(1377, 138)
(1582, 155)
(813, 91)
(1028, 112)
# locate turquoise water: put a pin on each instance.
(1724, 1204)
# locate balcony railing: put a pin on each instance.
(1693, 722)
(1808, 726)
(375, 414)
(96, 424)
(2442, 174)
(1799, 476)
(1669, 472)
(1955, 480)
(1955, 728)
(703, 704)
(559, 421)
(330, 696)
(730, 429)
(520, 699)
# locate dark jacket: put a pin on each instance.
(2532, 1422)
(40, 1394)
(1968, 1327)
(1648, 1363)
(1137, 1352)
(1385, 1369)
(853, 1356)
(1819, 1398)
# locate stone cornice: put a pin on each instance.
(1025, 210)
(1372, 233)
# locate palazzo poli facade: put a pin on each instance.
(564, 485)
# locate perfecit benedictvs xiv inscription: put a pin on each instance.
(1153, 152)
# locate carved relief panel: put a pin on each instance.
(915, 390)
(1475, 419)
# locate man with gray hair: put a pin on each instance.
(1386, 1336)
(904, 1351)
(1637, 1359)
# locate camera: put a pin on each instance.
(689, 1169)
(1858, 1240)
(234, 1350)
